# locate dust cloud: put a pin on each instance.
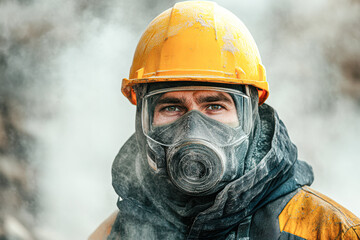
(62, 63)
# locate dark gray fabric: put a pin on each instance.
(243, 230)
(151, 209)
(289, 236)
(265, 222)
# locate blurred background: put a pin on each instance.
(63, 117)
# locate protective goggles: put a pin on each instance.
(196, 112)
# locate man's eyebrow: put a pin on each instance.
(171, 100)
(219, 97)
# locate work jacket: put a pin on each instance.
(303, 214)
(271, 200)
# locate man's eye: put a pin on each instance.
(172, 109)
(214, 107)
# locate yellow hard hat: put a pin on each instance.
(197, 41)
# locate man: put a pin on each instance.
(209, 159)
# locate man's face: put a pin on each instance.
(214, 104)
(198, 134)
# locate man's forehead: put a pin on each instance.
(195, 94)
(199, 96)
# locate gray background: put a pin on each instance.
(63, 117)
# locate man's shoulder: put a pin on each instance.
(104, 230)
(312, 215)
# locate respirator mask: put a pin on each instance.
(197, 136)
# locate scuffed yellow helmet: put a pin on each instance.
(197, 41)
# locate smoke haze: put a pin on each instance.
(61, 65)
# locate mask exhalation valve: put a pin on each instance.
(195, 167)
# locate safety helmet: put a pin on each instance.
(197, 41)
